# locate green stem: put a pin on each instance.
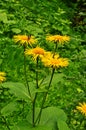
(45, 94)
(34, 101)
(26, 73)
(44, 98)
(37, 72)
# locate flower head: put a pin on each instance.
(2, 77)
(35, 52)
(82, 108)
(54, 61)
(58, 38)
(24, 40)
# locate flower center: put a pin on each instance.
(38, 51)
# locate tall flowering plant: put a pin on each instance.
(51, 118)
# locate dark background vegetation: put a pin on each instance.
(39, 18)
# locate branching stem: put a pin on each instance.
(44, 98)
(45, 94)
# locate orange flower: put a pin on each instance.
(35, 52)
(58, 38)
(82, 108)
(55, 62)
(24, 40)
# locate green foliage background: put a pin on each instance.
(40, 18)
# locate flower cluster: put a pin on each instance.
(58, 39)
(24, 39)
(2, 77)
(49, 59)
(82, 108)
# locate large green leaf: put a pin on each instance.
(18, 89)
(8, 109)
(62, 125)
(54, 116)
(26, 126)
(51, 116)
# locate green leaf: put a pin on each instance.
(62, 125)
(11, 22)
(3, 17)
(18, 89)
(26, 126)
(8, 109)
(51, 116)
(16, 30)
(1, 32)
(56, 79)
(40, 90)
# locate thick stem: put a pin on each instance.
(34, 102)
(44, 98)
(26, 73)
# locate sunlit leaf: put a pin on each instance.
(16, 30)
(3, 17)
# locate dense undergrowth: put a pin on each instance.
(41, 18)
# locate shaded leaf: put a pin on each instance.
(8, 109)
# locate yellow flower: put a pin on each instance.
(24, 40)
(55, 62)
(35, 52)
(58, 38)
(2, 77)
(82, 108)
